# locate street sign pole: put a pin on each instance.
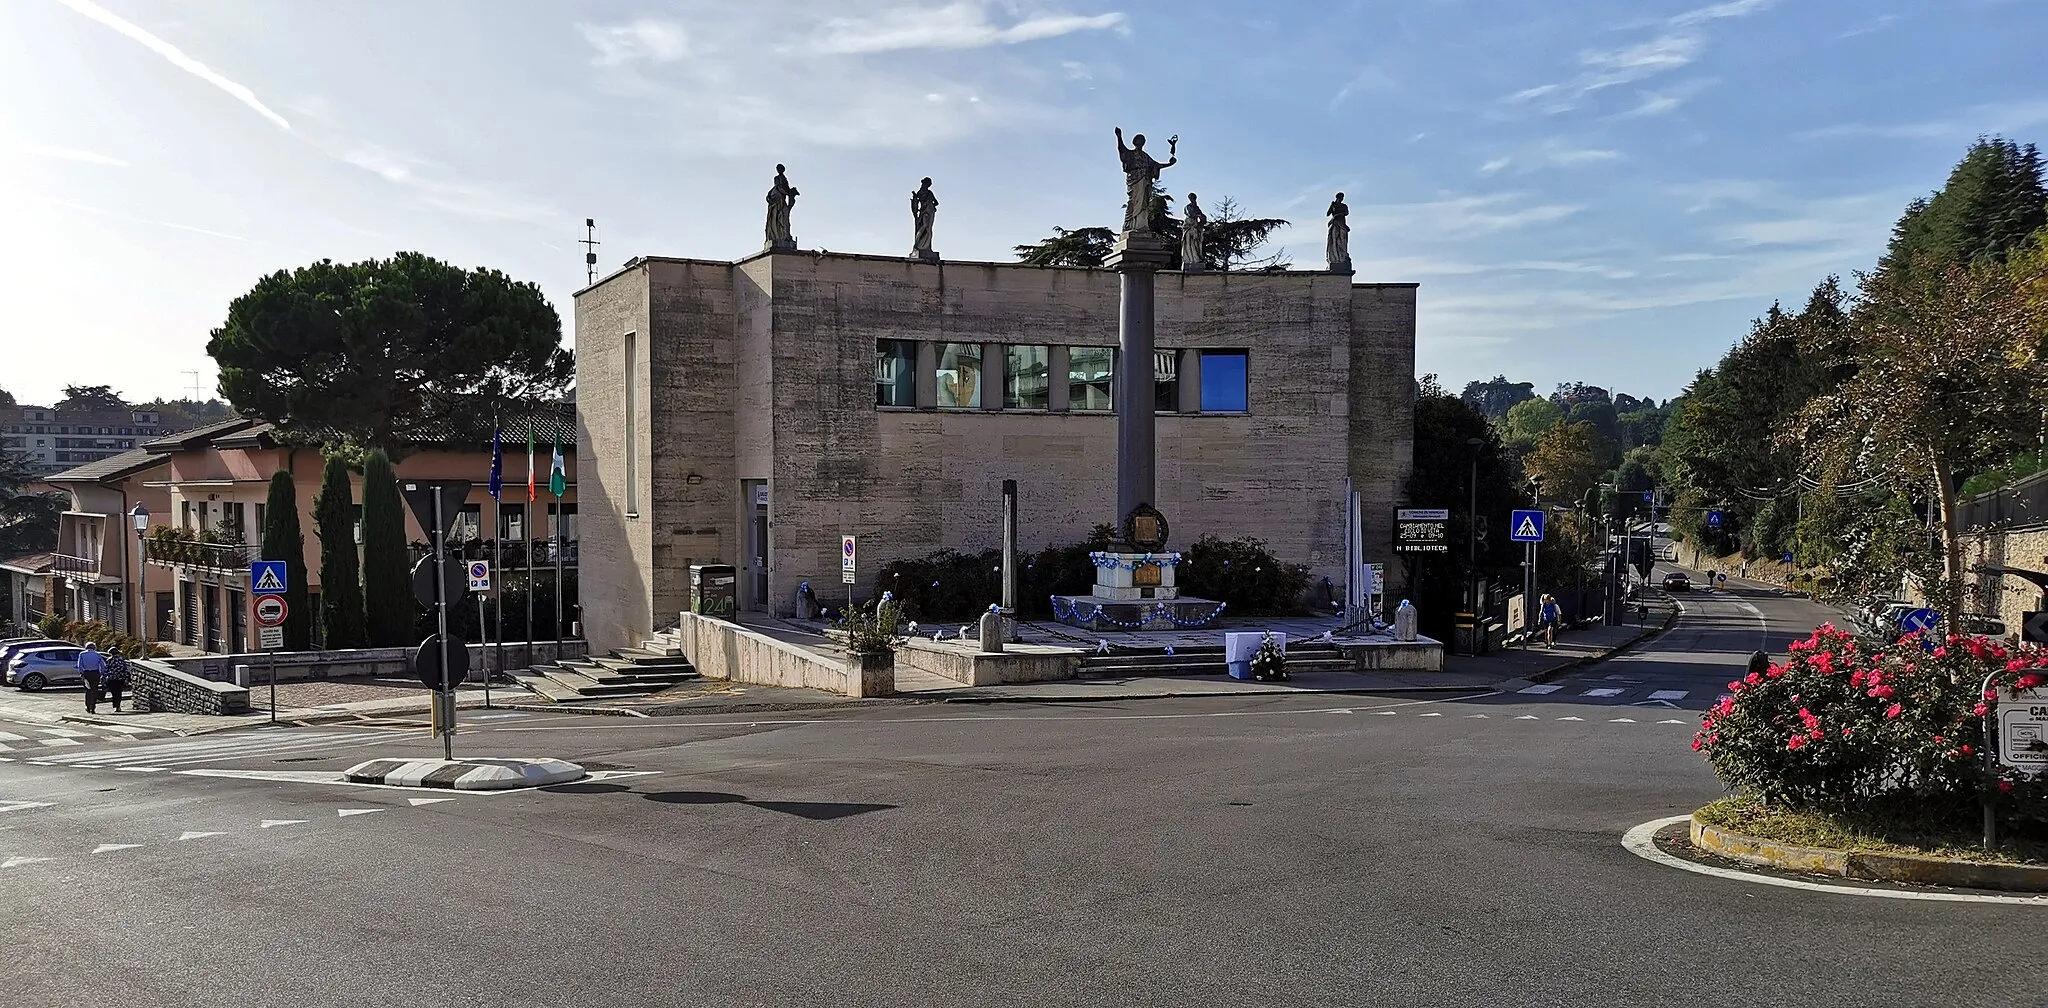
(441, 620)
(480, 629)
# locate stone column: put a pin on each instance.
(1137, 258)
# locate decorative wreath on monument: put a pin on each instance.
(1269, 663)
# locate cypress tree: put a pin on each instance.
(387, 582)
(282, 541)
(341, 588)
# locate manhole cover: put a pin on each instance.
(302, 759)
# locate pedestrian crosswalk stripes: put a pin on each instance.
(145, 756)
(1608, 693)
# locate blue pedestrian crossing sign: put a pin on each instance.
(1525, 526)
(1918, 621)
(267, 577)
(1713, 519)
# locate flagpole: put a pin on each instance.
(497, 549)
(530, 498)
(557, 484)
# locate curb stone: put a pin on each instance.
(1670, 620)
(1896, 868)
(465, 775)
(1215, 694)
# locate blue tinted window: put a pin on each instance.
(1226, 382)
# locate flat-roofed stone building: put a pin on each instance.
(751, 413)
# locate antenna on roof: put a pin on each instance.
(197, 395)
(590, 244)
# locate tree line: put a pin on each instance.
(1847, 431)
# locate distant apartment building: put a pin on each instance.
(56, 440)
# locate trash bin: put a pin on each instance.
(714, 590)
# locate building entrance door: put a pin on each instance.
(755, 493)
(212, 639)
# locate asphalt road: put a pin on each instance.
(1292, 851)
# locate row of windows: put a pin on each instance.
(92, 443)
(962, 379)
(65, 456)
(44, 429)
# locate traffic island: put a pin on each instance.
(1725, 830)
(465, 774)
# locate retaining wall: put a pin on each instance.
(295, 666)
(155, 686)
(722, 650)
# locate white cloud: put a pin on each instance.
(1495, 165)
(74, 154)
(747, 83)
(1677, 44)
(1666, 100)
(961, 25)
(645, 39)
(1368, 80)
(176, 57)
(1995, 117)
(1574, 157)
(1458, 217)
(468, 200)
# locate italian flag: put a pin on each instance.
(558, 477)
(530, 494)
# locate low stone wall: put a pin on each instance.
(156, 686)
(968, 665)
(296, 666)
(1422, 653)
(722, 650)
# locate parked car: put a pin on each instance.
(36, 668)
(15, 646)
(1677, 581)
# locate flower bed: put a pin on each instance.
(1892, 735)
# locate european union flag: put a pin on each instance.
(497, 463)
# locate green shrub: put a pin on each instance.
(106, 638)
(1243, 574)
(871, 629)
(950, 586)
(51, 627)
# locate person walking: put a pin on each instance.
(92, 665)
(1552, 614)
(115, 678)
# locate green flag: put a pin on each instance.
(558, 478)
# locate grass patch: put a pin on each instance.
(1904, 832)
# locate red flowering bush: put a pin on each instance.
(1843, 729)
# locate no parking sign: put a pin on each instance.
(479, 576)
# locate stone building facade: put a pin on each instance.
(751, 413)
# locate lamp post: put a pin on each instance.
(1476, 639)
(1529, 568)
(140, 517)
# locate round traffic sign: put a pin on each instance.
(1918, 620)
(479, 570)
(270, 610)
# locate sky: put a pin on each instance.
(1599, 191)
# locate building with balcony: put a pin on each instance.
(91, 574)
(206, 491)
(57, 440)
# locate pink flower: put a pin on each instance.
(1991, 694)
(1893, 711)
(1696, 745)
(1940, 739)
(1965, 749)
(1857, 679)
(1753, 679)
(1980, 710)
(1816, 734)
(2028, 681)
(1845, 733)
(1883, 692)
(1795, 742)
(2005, 785)
(1941, 652)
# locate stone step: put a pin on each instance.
(1316, 652)
(548, 689)
(620, 668)
(649, 659)
(661, 646)
(588, 687)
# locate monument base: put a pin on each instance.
(779, 246)
(1134, 577)
(1342, 266)
(1091, 613)
(930, 257)
(1145, 251)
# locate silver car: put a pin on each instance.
(16, 645)
(39, 667)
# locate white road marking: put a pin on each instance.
(59, 742)
(11, 862)
(1528, 717)
(981, 718)
(1541, 688)
(1388, 712)
(20, 806)
(108, 848)
(11, 737)
(1621, 720)
(1603, 691)
(1641, 842)
(64, 732)
(1430, 714)
(1478, 715)
(196, 834)
(127, 729)
(498, 717)
(1340, 710)
(1571, 719)
(214, 750)
(1669, 694)
(1671, 721)
(426, 801)
(267, 823)
(6, 759)
(345, 813)
(141, 769)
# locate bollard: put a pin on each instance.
(242, 676)
(992, 630)
(1405, 618)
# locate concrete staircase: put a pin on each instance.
(655, 665)
(1302, 657)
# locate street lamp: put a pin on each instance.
(140, 518)
(1472, 550)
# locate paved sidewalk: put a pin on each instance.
(68, 706)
